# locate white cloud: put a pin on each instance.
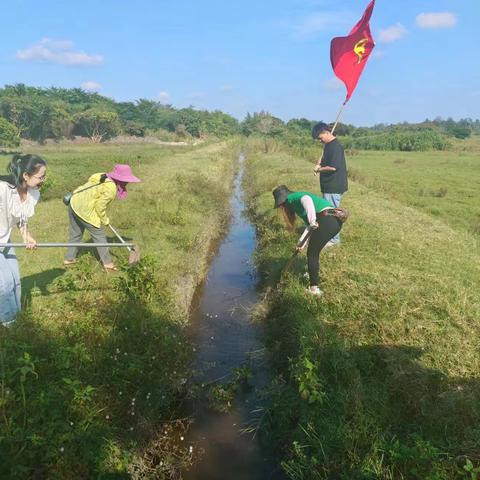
(227, 88)
(58, 51)
(91, 86)
(318, 22)
(436, 20)
(333, 84)
(393, 33)
(163, 97)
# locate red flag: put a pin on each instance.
(349, 54)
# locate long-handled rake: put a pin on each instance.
(301, 242)
(133, 258)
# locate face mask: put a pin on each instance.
(121, 191)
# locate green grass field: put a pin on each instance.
(91, 373)
(380, 378)
(442, 184)
(166, 214)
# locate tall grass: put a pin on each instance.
(380, 378)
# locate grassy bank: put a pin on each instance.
(380, 378)
(91, 372)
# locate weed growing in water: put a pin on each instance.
(221, 396)
(242, 375)
(167, 454)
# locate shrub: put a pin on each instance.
(404, 141)
(9, 134)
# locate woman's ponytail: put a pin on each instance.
(14, 168)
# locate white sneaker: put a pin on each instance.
(331, 244)
(316, 292)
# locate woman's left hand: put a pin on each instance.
(31, 243)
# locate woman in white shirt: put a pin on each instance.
(18, 196)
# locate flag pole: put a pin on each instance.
(335, 125)
(338, 116)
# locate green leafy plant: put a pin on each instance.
(309, 386)
(26, 368)
(139, 282)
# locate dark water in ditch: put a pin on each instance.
(225, 339)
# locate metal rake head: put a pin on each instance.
(134, 255)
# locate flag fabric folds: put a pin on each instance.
(349, 54)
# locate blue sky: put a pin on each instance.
(252, 55)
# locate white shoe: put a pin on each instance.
(316, 292)
(331, 244)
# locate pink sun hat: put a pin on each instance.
(123, 173)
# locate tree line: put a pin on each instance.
(56, 113)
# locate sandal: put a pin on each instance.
(69, 262)
(110, 269)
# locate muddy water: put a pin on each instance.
(225, 339)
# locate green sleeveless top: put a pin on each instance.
(293, 200)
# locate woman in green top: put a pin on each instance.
(317, 214)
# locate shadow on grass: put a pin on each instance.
(39, 281)
(358, 408)
(421, 422)
(82, 395)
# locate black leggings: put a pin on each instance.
(328, 227)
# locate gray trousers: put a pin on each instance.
(75, 233)
(9, 286)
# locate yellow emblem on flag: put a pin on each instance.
(359, 49)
